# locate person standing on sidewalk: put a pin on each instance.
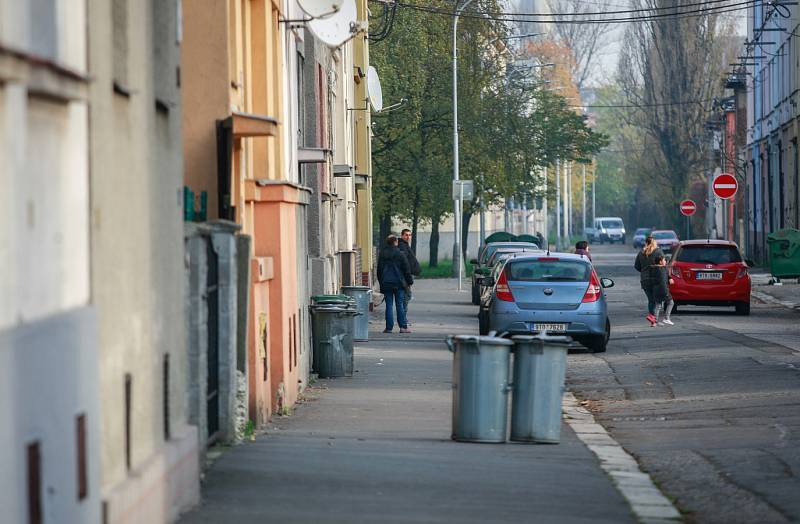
(413, 264)
(394, 277)
(644, 259)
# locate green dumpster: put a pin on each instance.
(784, 253)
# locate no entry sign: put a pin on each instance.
(688, 208)
(725, 185)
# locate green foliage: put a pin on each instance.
(444, 269)
(507, 130)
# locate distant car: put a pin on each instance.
(555, 293)
(609, 229)
(710, 273)
(666, 239)
(592, 234)
(638, 237)
(479, 267)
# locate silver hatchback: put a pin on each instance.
(555, 293)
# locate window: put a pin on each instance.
(664, 235)
(548, 270)
(80, 440)
(43, 28)
(119, 25)
(34, 460)
(128, 401)
(301, 100)
(165, 396)
(708, 254)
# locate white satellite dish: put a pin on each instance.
(320, 8)
(336, 29)
(374, 91)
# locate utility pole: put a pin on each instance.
(457, 207)
(558, 204)
(546, 231)
(583, 206)
(594, 192)
(565, 205)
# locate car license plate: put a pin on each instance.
(551, 328)
(709, 276)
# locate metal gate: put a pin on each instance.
(212, 384)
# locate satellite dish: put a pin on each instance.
(320, 8)
(336, 29)
(374, 91)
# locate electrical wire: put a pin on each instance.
(510, 17)
(575, 14)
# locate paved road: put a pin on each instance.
(710, 407)
(376, 448)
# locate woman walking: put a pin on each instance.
(394, 277)
(644, 259)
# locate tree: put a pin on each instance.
(585, 41)
(670, 70)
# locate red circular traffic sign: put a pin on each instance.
(688, 208)
(725, 185)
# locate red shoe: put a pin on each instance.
(652, 320)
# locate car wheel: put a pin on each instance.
(743, 308)
(599, 343)
(476, 297)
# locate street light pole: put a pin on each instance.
(558, 204)
(457, 205)
(583, 206)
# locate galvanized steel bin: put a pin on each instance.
(480, 387)
(540, 366)
(361, 294)
(332, 336)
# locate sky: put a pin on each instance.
(609, 55)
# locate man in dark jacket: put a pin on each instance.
(413, 264)
(394, 277)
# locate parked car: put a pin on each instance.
(666, 239)
(609, 229)
(592, 234)
(639, 235)
(479, 267)
(555, 293)
(710, 273)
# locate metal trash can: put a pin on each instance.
(784, 253)
(361, 294)
(332, 337)
(480, 387)
(540, 366)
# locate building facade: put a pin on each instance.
(50, 415)
(772, 184)
(276, 140)
(147, 449)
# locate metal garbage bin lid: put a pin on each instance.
(481, 340)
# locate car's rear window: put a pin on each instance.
(548, 271)
(661, 235)
(642, 231)
(708, 254)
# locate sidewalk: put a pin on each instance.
(786, 294)
(376, 447)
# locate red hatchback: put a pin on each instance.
(710, 273)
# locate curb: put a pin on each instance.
(647, 502)
(769, 299)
